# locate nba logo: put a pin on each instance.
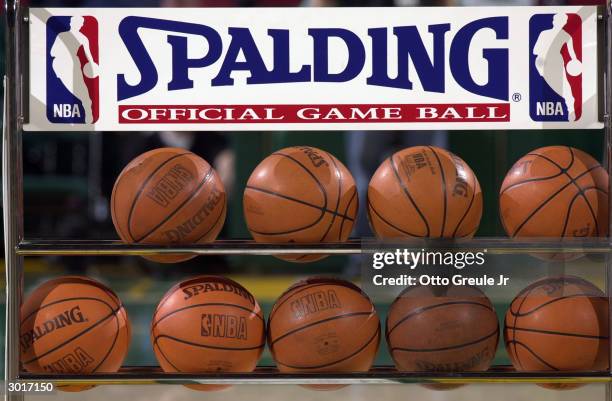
(72, 69)
(555, 67)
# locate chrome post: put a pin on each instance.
(12, 191)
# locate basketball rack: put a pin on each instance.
(17, 247)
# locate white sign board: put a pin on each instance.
(313, 68)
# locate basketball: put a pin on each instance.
(558, 324)
(73, 325)
(300, 194)
(168, 196)
(574, 68)
(323, 325)
(555, 191)
(208, 324)
(424, 191)
(442, 329)
(90, 71)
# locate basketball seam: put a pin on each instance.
(494, 333)
(518, 311)
(322, 209)
(59, 301)
(339, 175)
(142, 186)
(371, 207)
(314, 177)
(444, 192)
(163, 354)
(467, 211)
(195, 192)
(430, 307)
(110, 350)
(538, 357)
(560, 333)
(518, 314)
(156, 322)
(579, 194)
(326, 320)
(172, 338)
(550, 198)
(348, 205)
(376, 334)
(407, 193)
(113, 313)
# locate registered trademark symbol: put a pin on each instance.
(516, 97)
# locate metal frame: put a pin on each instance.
(16, 248)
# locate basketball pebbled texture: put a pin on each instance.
(442, 329)
(300, 194)
(426, 192)
(73, 325)
(555, 191)
(208, 324)
(323, 325)
(168, 196)
(558, 323)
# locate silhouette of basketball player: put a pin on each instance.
(549, 61)
(67, 66)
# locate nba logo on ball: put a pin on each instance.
(555, 67)
(72, 69)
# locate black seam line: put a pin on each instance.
(538, 357)
(551, 197)
(314, 177)
(323, 210)
(114, 212)
(65, 300)
(99, 322)
(494, 333)
(145, 182)
(407, 193)
(579, 194)
(587, 296)
(215, 223)
(194, 193)
(558, 333)
(163, 354)
(348, 205)
(468, 208)
(156, 322)
(376, 334)
(371, 207)
(329, 319)
(110, 350)
(527, 181)
(339, 176)
(562, 279)
(518, 311)
(444, 192)
(426, 308)
(290, 293)
(161, 336)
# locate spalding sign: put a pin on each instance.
(329, 68)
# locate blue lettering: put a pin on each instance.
(498, 62)
(356, 54)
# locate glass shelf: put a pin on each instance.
(355, 246)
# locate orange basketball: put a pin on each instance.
(424, 191)
(300, 194)
(555, 191)
(323, 325)
(168, 196)
(442, 329)
(208, 324)
(73, 325)
(558, 323)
